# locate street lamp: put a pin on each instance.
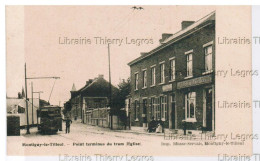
(28, 127)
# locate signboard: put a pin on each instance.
(167, 88)
(195, 81)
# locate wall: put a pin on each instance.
(177, 50)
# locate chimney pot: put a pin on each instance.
(143, 53)
(100, 76)
(185, 24)
(164, 37)
(90, 81)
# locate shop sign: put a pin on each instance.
(167, 88)
(195, 82)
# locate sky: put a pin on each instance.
(35, 35)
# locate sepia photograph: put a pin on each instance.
(133, 81)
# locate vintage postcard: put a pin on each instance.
(132, 82)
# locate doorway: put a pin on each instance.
(209, 109)
(144, 113)
(173, 110)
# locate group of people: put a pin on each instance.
(155, 126)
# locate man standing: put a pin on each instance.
(68, 122)
(152, 125)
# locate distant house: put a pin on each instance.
(94, 95)
(17, 106)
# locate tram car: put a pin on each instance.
(49, 119)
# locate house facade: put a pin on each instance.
(17, 106)
(175, 82)
(93, 95)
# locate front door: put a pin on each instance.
(209, 109)
(173, 110)
(144, 111)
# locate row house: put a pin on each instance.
(175, 82)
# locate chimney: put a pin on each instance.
(185, 24)
(164, 37)
(100, 76)
(90, 81)
(143, 53)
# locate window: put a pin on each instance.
(190, 106)
(208, 58)
(136, 109)
(163, 104)
(144, 79)
(172, 69)
(136, 81)
(152, 76)
(172, 99)
(21, 109)
(162, 78)
(189, 64)
(155, 108)
(158, 116)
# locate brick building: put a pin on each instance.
(175, 82)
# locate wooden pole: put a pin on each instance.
(110, 89)
(27, 115)
(32, 104)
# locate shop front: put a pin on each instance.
(170, 99)
(196, 103)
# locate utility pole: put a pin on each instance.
(28, 128)
(110, 89)
(32, 103)
(25, 77)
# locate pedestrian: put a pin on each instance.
(160, 127)
(68, 122)
(152, 125)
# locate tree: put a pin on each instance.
(118, 101)
(67, 107)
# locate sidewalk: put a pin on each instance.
(140, 130)
(143, 131)
(167, 132)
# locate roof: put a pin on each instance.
(98, 81)
(88, 85)
(12, 102)
(51, 106)
(177, 36)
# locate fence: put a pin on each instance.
(100, 117)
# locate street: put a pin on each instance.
(92, 140)
(81, 136)
(79, 131)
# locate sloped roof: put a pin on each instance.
(12, 102)
(177, 36)
(98, 82)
